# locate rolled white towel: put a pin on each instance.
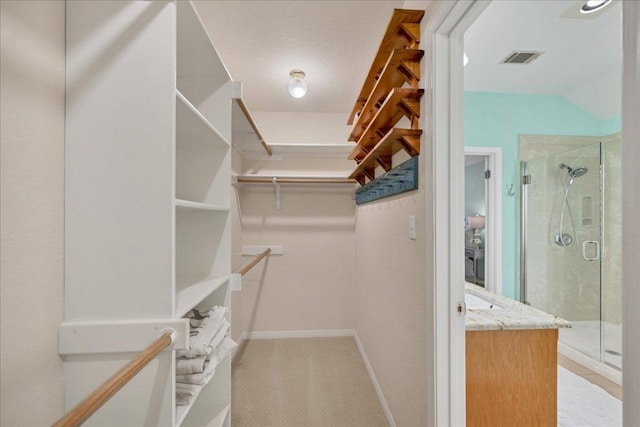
(226, 347)
(186, 366)
(219, 337)
(188, 388)
(200, 378)
(195, 365)
(204, 329)
(183, 400)
(181, 391)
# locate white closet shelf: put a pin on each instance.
(253, 151)
(197, 57)
(219, 420)
(182, 411)
(192, 295)
(187, 204)
(290, 179)
(191, 120)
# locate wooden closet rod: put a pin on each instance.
(106, 390)
(294, 180)
(253, 124)
(255, 261)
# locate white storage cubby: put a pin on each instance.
(148, 153)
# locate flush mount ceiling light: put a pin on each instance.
(297, 85)
(594, 5)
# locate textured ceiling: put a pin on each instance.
(334, 42)
(582, 58)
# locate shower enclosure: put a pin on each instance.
(571, 241)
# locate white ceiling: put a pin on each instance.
(334, 42)
(582, 58)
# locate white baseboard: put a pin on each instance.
(327, 333)
(599, 368)
(376, 384)
(267, 335)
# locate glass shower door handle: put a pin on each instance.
(595, 252)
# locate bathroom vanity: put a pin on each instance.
(511, 361)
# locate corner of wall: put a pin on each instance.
(32, 99)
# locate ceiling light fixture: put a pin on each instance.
(594, 5)
(465, 59)
(297, 85)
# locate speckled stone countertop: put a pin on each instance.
(512, 315)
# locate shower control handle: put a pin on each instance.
(596, 247)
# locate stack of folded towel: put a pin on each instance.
(209, 344)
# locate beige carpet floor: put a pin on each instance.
(303, 382)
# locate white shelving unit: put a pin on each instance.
(148, 174)
(186, 204)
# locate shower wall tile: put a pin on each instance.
(560, 281)
(499, 120)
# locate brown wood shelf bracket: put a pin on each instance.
(401, 102)
(403, 32)
(389, 93)
(402, 67)
(393, 142)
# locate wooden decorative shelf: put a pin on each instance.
(402, 66)
(394, 141)
(390, 93)
(400, 102)
(403, 32)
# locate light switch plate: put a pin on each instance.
(412, 227)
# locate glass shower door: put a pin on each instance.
(561, 232)
(612, 252)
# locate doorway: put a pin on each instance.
(448, 23)
(483, 217)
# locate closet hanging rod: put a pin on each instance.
(293, 180)
(253, 125)
(244, 270)
(106, 390)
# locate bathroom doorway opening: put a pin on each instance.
(483, 217)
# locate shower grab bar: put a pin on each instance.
(597, 250)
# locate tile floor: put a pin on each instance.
(303, 382)
(609, 386)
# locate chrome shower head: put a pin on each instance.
(574, 173)
(578, 172)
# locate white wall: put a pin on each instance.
(32, 210)
(303, 128)
(392, 299)
(312, 285)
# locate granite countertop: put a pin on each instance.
(512, 315)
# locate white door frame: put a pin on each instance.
(493, 233)
(630, 212)
(445, 24)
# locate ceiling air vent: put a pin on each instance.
(520, 57)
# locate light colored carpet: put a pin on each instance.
(583, 404)
(303, 382)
